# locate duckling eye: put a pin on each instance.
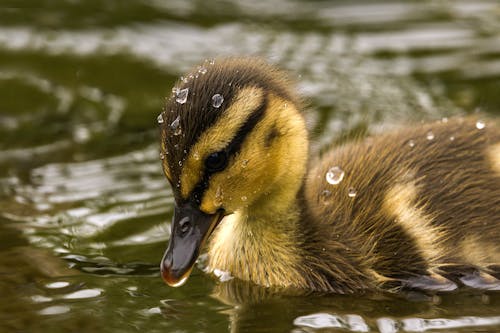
(216, 161)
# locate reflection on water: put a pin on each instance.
(355, 323)
(84, 207)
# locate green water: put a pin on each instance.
(84, 208)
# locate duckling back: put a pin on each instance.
(417, 208)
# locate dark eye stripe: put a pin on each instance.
(231, 149)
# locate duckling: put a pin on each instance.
(414, 208)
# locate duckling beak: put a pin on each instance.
(190, 228)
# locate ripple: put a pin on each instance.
(57, 285)
(353, 323)
(85, 293)
(54, 310)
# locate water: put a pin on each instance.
(334, 175)
(181, 96)
(217, 100)
(84, 206)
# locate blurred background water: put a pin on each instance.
(84, 208)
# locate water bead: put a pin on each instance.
(202, 70)
(480, 124)
(335, 175)
(160, 118)
(223, 276)
(351, 192)
(181, 95)
(325, 195)
(162, 156)
(411, 143)
(175, 126)
(430, 135)
(217, 100)
(244, 198)
(219, 196)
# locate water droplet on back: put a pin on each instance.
(217, 100)
(202, 70)
(181, 95)
(452, 138)
(160, 118)
(335, 175)
(480, 124)
(244, 198)
(325, 195)
(411, 143)
(175, 126)
(351, 192)
(430, 135)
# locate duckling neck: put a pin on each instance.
(260, 243)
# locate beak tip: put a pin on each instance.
(172, 279)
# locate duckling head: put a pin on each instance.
(232, 141)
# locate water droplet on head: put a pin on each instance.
(430, 135)
(181, 95)
(219, 195)
(411, 143)
(335, 175)
(480, 124)
(175, 126)
(351, 192)
(160, 118)
(217, 100)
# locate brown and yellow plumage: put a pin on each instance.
(416, 208)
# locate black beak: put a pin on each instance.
(190, 228)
